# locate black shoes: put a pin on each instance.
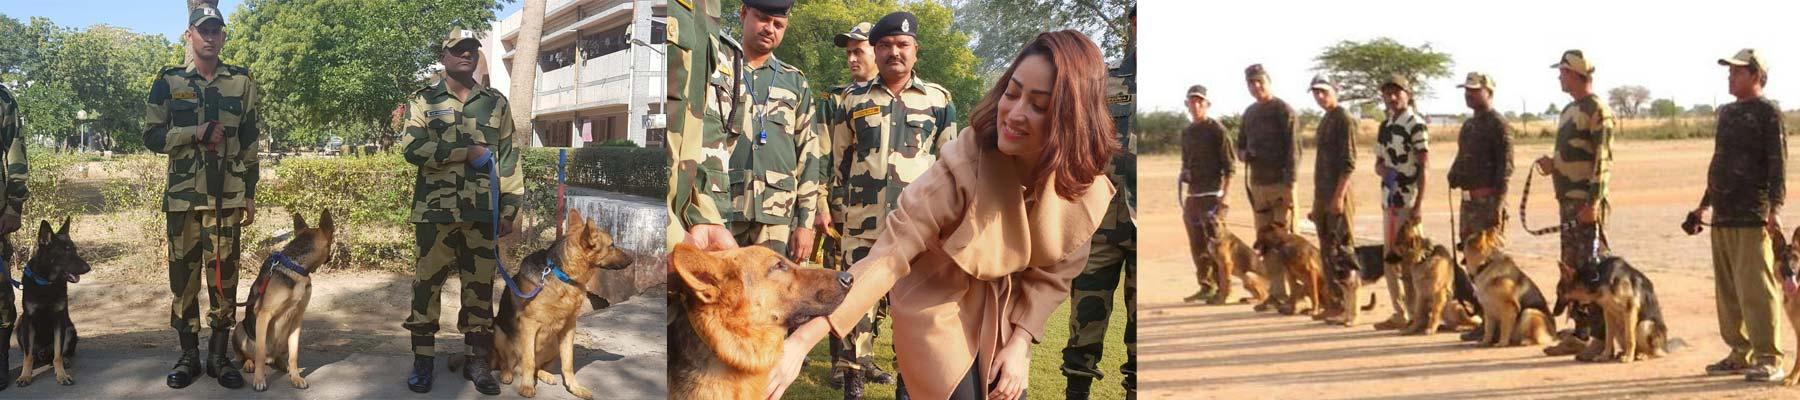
(218, 364)
(479, 372)
(420, 379)
(188, 367)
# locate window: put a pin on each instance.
(603, 43)
(556, 59)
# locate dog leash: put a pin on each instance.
(500, 266)
(218, 224)
(1526, 195)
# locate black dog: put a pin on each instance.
(45, 331)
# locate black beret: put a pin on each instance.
(895, 23)
(778, 8)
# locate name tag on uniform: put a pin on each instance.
(865, 112)
(437, 113)
(1119, 99)
(184, 95)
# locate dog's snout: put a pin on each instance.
(844, 278)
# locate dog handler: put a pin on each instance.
(982, 248)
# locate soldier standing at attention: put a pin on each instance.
(853, 356)
(460, 136)
(1401, 152)
(775, 171)
(205, 117)
(1580, 168)
(1112, 259)
(15, 192)
(1747, 184)
(1207, 164)
(1267, 145)
(1332, 207)
(706, 87)
(1483, 163)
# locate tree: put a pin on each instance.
(338, 67)
(103, 71)
(1664, 108)
(1360, 67)
(998, 27)
(524, 70)
(1702, 109)
(944, 55)
(1628, 100)
(1160, 131)
(1552, 111)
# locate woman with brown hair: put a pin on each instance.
(981, 248)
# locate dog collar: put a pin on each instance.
(556, 270)
(40, 281)
(289, 263)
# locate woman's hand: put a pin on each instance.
(1012, 366)
(793, 356)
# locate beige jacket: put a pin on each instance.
(964, 260)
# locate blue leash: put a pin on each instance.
(499, 266)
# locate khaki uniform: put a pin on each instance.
(1483, 164)
(1746, 182)
(706, 87)
(207, 186)
(453, 205)
(775, 167)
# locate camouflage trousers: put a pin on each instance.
(857, 347)
(774, 237)
(196, 238)
(1480, 214)
(8, 313)
(468, 249)
(1202, 216)
(1337, 248)
(1581, 246)
(1091, 300)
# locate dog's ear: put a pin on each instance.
(44, 232)
(325, 222)
(299, 221)
(698, 270)
(65, 226)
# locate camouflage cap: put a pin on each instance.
(1397, 80)
(1322, 82)
(1477, 80)
(1745, 58)
(1573, 60)
(858, 32)
(205, 12)
(457, 36)
(1196, 91)
(1255, 71)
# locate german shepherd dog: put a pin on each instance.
(1634, 325)
(1229, 256)
(1428, 273)
(269, 334)
(44, 328)
(1787, 259)
(729, 312)
(1513, 309)
(1299, 258)
(1349, 284)
(531, 333)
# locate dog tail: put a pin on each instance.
(1371, 305)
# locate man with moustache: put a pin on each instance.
(1268, 146)
(1580, 168)
(1483, 163)
(775, 167)
(855, 352)
(1401, 151)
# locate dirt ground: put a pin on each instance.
(1197, 351)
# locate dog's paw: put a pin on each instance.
(24, 380)
(299, 383)
(65, 379)
(545, 377)
(525, 391)
(581, 392)
(259, 383)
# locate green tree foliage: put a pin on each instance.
(59, 72)
(1664, 108)
(1160, 131)
(339, 67)
(1360, 67)
(1628, 100)
(998, 28)
(944, 55)
(1702, 109)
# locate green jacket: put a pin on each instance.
(439, 131)
(181, 104)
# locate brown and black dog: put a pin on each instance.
(44, 330)
(1299, 259)
(1428, 273)
(1513, 309)
(1787, 259)
(1229, 256)
(269, 334)
(729, 312)
(1634, 327)
(529, 334)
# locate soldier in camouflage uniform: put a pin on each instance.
(1483, 163)
(1112, 257)
(205, 117)
(885, 134)
(856, 352)
(708, 93)
(450, 128)
(774, 169)
(15, 192)
(1580, 168)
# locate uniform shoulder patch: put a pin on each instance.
(729, 43)
(237, 69)
(933, 86)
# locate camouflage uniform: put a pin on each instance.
(15, 192)
(704, 85)
(1112, 255)
(881, 141)
(1483, 163)
(1583, 158)
(859, 347)
(775, 177)
(207, 188)
(453, 207)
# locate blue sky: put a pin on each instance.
(158, 16)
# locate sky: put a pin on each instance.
(148, 16)
(1671, 51)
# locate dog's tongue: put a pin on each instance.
(73, 278)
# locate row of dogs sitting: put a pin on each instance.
(1493, 294)
(530, 333)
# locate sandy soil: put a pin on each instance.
(1197, 351)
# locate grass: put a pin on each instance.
(1046, 380)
